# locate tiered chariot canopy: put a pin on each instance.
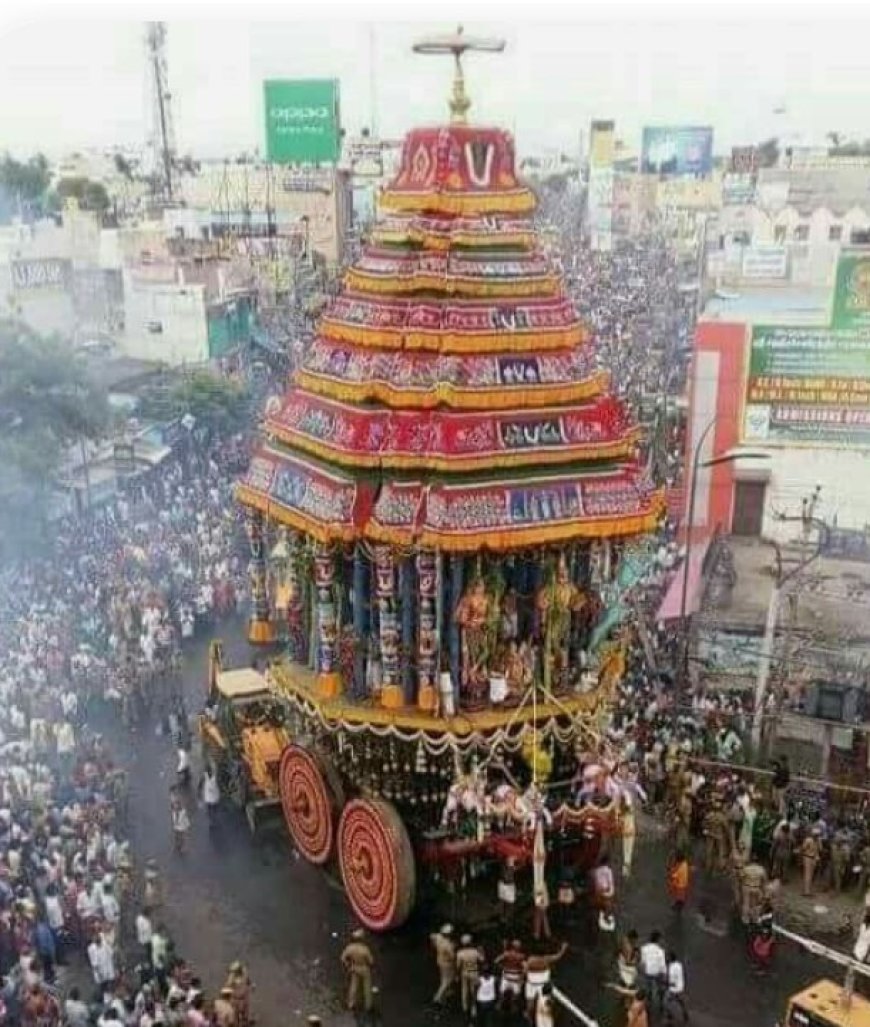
(450, 399)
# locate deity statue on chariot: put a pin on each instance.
(439, 479)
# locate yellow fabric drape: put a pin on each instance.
(508, 202)
(454, 396)
(440, 243)
(454, 285)
(448, 342)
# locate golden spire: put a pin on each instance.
(457, 45)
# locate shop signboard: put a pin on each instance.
(851, 307)
(302, 121)
(738, 190)
(765, 262)
(808, 385)
(677, 150)
(48, 274)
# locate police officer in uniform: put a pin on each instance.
(358, 961)
(469, 960)
(841, 857)
(738, 865)
(445, 959)
(716, 837)
(754, 883)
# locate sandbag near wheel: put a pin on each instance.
(377, 863)
(310, 807)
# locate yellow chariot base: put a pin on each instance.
(261, 632)
(303, 687)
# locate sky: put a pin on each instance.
(75, 78)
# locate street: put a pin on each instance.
(233, 897)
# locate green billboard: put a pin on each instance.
(852, 292)
(808, 384)
(302, 123)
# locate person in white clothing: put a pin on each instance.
(101, 956)
(654, 968)
(675, 996)
(144, 933)
(210, 793)
(861, 950)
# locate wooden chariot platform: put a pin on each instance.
(298, 683)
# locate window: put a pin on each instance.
(801, 233)
(835, 233)
(779, 234)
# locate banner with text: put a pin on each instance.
(49, 274)
(808, 384)
(302, 121)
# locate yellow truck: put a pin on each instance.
(243, 735)
(824, 1004)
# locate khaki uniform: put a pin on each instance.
(358, 961)
(841, 854)
(810, 853)
(738, 865)
(754, 882)
(684, 821)
(224, 1012)
(716, 838)
(445, 959)
(468, 963)
(780, 856)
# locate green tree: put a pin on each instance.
(220, 403)
(215, 402)
(89, 194)
(768, 153)
(24, 184)
(48, 402)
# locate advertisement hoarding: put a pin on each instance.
(852, 292)
(738, 190)
(809, 385)
(49, 274)
(765, 262)
(302, 121)
(677, 150)
(602, 144)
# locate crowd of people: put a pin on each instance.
(90, 635)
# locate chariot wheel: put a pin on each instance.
(377, 863)
(309, 804)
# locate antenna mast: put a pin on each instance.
(163, 130)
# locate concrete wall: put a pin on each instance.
(179, 310)
(844, 475)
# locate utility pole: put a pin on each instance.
(780, 580)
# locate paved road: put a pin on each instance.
(233, 897)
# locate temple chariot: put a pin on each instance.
(443, 512)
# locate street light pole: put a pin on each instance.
(779, 582)
(690, 524)
(697, 464)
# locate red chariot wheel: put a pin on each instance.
(308, 803)
(377, 863)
